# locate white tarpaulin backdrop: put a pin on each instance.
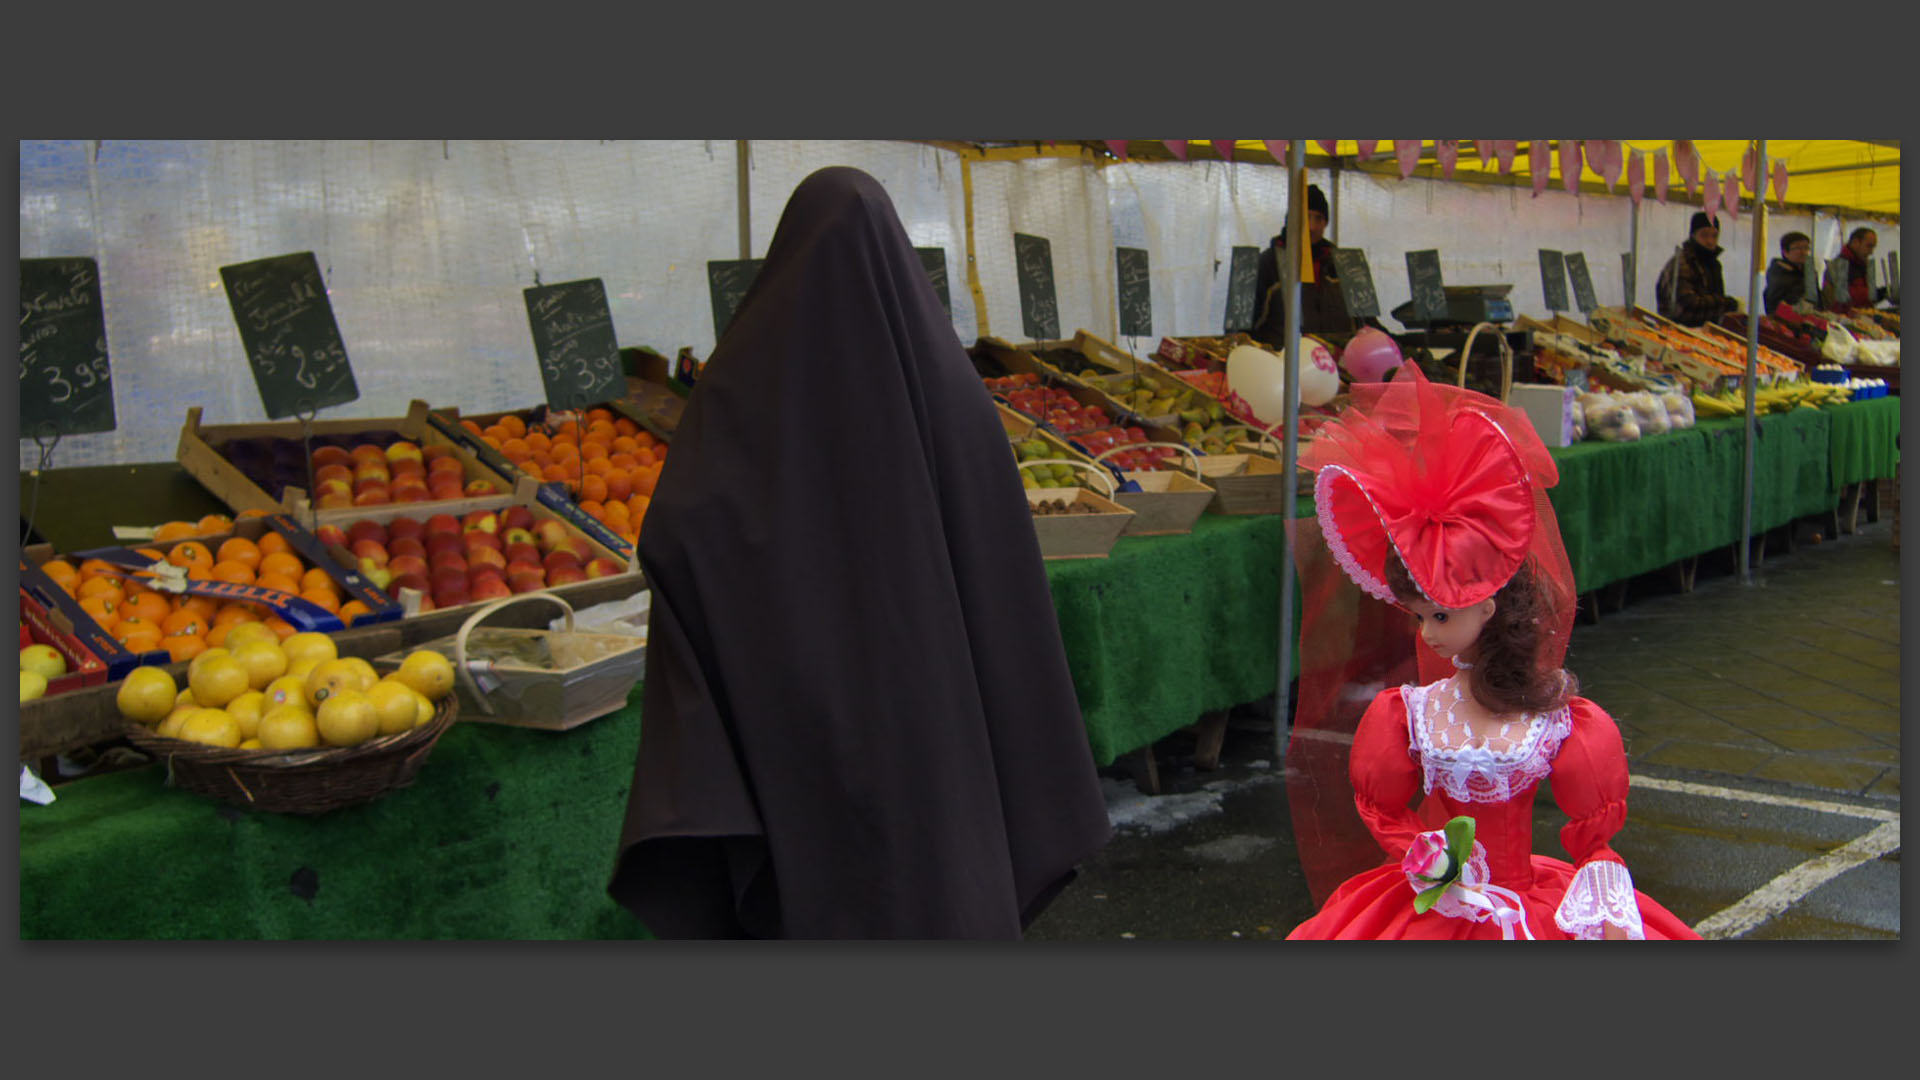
(427, 245)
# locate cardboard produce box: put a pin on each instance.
(1550, 407)
(557, 495)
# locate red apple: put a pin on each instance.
(368, 452)
(331, 534)
(331, 455)
(483, 520)
(373, 495)
(448, 465)
(490, 587)
(565, 574)
(452, 598)
(417, 581)
(478, 539)
(403, 451)
(444, 492)
(379, 575)
(439, 542)
(443, 523)
(447, 577)
(409, 489)
(368, 530)
(603, 567)
(485, 556)
(406, 545)
(517, 534)
(407, 467)
(526, 580)
(333, 501)
(401, 528)
(370, 551)
(332, 472)
(523, 551)
(401, 565)
(477, 488)
(550, 533)
(447, 560)
(556, 559)
(578, 546)
(336, 487)
(370, 471)
(516, 517)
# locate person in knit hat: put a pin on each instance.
(1691, 290)
(1323, 307)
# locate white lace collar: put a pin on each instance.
(1470, 769)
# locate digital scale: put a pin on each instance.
(1467, 305)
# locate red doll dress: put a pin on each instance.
(1408, 743)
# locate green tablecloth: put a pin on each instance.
(1862, 445)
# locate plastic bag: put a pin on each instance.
(1679, 409)
(1613, 421)
(1579, 419)
(1649, 414)
(1839, 345)
(627, 616)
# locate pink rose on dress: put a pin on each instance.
(1427, 857)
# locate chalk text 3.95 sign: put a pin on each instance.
(66, 386)
(573, 337)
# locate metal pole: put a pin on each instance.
(1753, 362)
(1297, 229)
(1333, 179)
(1633, 249)
(746, 230)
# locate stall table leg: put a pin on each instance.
(1212, 732)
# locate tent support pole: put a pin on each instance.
(1753, 360)
(1633, 255)
(746, 227)
(973, 267)
(1333, 180)
(1297, 230)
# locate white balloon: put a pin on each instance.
(1319, 375)
(1260, 378)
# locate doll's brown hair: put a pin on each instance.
(1506, 675)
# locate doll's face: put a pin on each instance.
(1450, 632)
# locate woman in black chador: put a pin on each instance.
(858, 720)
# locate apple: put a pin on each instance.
(447, 560)
(444, 492)
(578, 546)
(368, 452)
(367, 529)
(332, 472)
(444, 578)
(440, 542)
(415, 581)
(491, 587)
(516, 517)
(482, 520)
(403, 451)
(367, 471)
(477, 488)
(565, 574)
(443, 523)
(484, 556)
(604, 567)
(517, 534)
(452, 598)
(527, 580)
(408, 489)
(400, 565)
(331, 455)
(407, 467)
(373, 495)
(333, 501)
(331, 534)
(523, 551)
(406, 545)
(372, 571)
(370, 550)
(401, 528)
(557, 559)
(477, 539)
(335, 489)
(550, 533)
(447, 466)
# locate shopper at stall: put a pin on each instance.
(1691, 289)
(1855, 291)
(1323, 308)
(858, 720)
(1787, 275)
(1434, 498)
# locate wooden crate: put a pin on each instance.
(1167, 504)
(555, 495)
(1078, 536)
(1016, 423)
(200, 453)
(1245, 484)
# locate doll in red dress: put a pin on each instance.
(1433, 499)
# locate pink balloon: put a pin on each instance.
(1730, 194)
(1712, 199)
(1595, 151)
(1686, 161)
(1749, 176)
(1370, 355)
(1331, 146)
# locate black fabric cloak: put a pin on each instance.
(858, 720)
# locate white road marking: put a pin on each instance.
(1790, 888)
(1709, 791)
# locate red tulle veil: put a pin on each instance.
(1456, 484)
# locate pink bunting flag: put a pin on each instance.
(1281, 149)
(1712, 199)
(1539, 164)
(1661, 171)
(1595, 151)
(1447, 153)
(1730, 194)
(1616, 162)
(1483, 149)
(1686, 162)
(1176, 147)
(1119, 148)
(1408, 151)
(1223, 147)
(1570, 165)
(1365, 148)
(1331, 146)
(1504, 149)
(1636, 176)
(1780, 182)
(1749, 175)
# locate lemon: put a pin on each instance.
(288, 689)
(186, 699)
(170, 727)
(246, 710)
(426, 710)
(395, 706)
(250, 744)
(428, 672)
(218, 681)
(44, 660)
(214, 653)
(368, 676)
(32, 685)
(250, 631)
(288, 727)
(330, 677)
(263, 660)
(146, 695)
(308, 646)
(346, 718)
(300, 669)
(211, 726)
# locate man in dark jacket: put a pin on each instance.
(1691, 290)
(1323, 307)
(1787, 275)
(1856, 293)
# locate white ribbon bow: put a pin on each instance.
(1503, 905)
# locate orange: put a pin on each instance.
(515, 448)
(280, 627)
(184, 646)
(145, 604)
(569, 429)
(95, 568)
(316, 578)
(189, 553)
(245, 514)
(619, 486)
(537, 441)
(554, 474)
(615, 513)
(565, 451)
(200, 605)
(145, 640)
(102, 609)
(643, 458)
(637, 506)
(470, 426)
(599, 466)
(103, 586)
(217, 634)
(215, 524)
(61, 571)
(236, 572)
(594, 488)
(151, 553)
(282, 582)
(624, 459)
(322, 598)
(592, 508)
(352, 610)
(134, 625)
(513, 425)
(603, 415)
(643, 484)
(186, 621)
(240, 550)
(280, 562)
(232, 613)
(271, 543)
(660, 453)
(645, 439)
(593, 448)
(174, 530)
(624, 444)
(625, 426)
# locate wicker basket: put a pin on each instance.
(297, 781)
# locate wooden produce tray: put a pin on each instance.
(1078, 536)
(554, 494)
(204, 453)
(1245, 484)
(1209, 353)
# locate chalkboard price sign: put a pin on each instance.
(1836, 283)
(1243, 278)
(574, 339)
(1582, 282)
(66, 386)
(1136, 291)
(1429, 293)
(934, 261)
(1039, 302)
(1356, 283)
(1553, 279)
(727, 282)
(287, 327)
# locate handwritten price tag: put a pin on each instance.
(574, 339)
(287, 328)
(66, 384)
